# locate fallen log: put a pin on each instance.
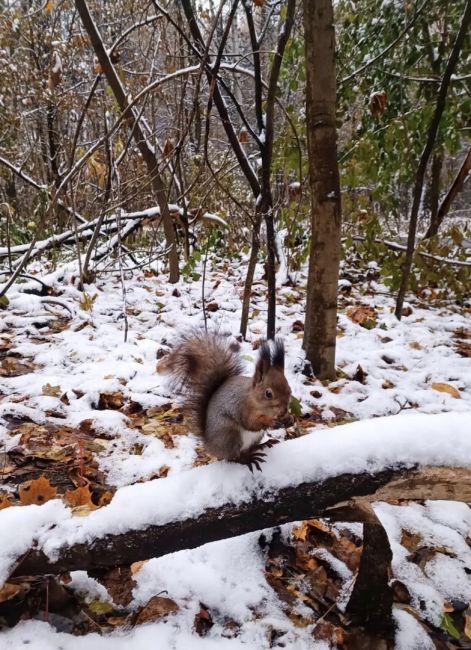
(341, 498)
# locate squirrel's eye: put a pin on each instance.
(269, 393)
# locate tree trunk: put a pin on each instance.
(250, 275)
(321, 305)
(434, 187)
(456, 188)
(427, 152)
(142, 144)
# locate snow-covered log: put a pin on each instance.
(331, 473)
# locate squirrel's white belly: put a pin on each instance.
(250, 438)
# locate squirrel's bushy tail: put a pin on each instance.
(198, 365)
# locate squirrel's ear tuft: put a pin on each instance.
(263, 363)
(278, 354)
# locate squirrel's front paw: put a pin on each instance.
(253, 458)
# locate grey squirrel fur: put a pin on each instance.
(228, 410)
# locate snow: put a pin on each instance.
(410, 634)
(404, 423)
(360, 446)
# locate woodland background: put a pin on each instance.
(230, 164)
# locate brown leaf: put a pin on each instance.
(331, 634)
(5, 500)
(300, 532)
(9, 591)
(360, 375)
(51, 391)
(169, 146)
(297, 326)
(118, 582)
(157, 607)
(411, 541)
(400, 592)
(378, 103)
(463, 348)
(203, 621)
(137, 566)
(110, 401)
(105, 498)
(37, 491)
(213, 306)
(446, 388)
(363, 315)
(421, 556)
(12, 367)
(80, 497)
(467, 618)
(348, 552)
(243, 135)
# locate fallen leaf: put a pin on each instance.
(348, 552)
(110, 401)
(37, 491)
(363, 315)
(51, 391)
(411, 541)
(421, 556)
(203, 621)
(157, 607)
(463, 348)
(119, 583)
(105, 498)
(415, 345)
(300, 532)
(467, 626)
(360, 375)
(446, 388)
(80, 497)
(400, 592)
(137, 566)
(5, 500)
(9, 591)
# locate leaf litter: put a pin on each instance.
(82, 414)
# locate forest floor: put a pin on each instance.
(84, 414)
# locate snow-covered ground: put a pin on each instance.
(410, 370)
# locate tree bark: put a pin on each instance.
(324, 259)
(427, 152)
(244, 319)
(345, 498)
(142, 144)
(455, 189)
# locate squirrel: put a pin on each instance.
(228, 410)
